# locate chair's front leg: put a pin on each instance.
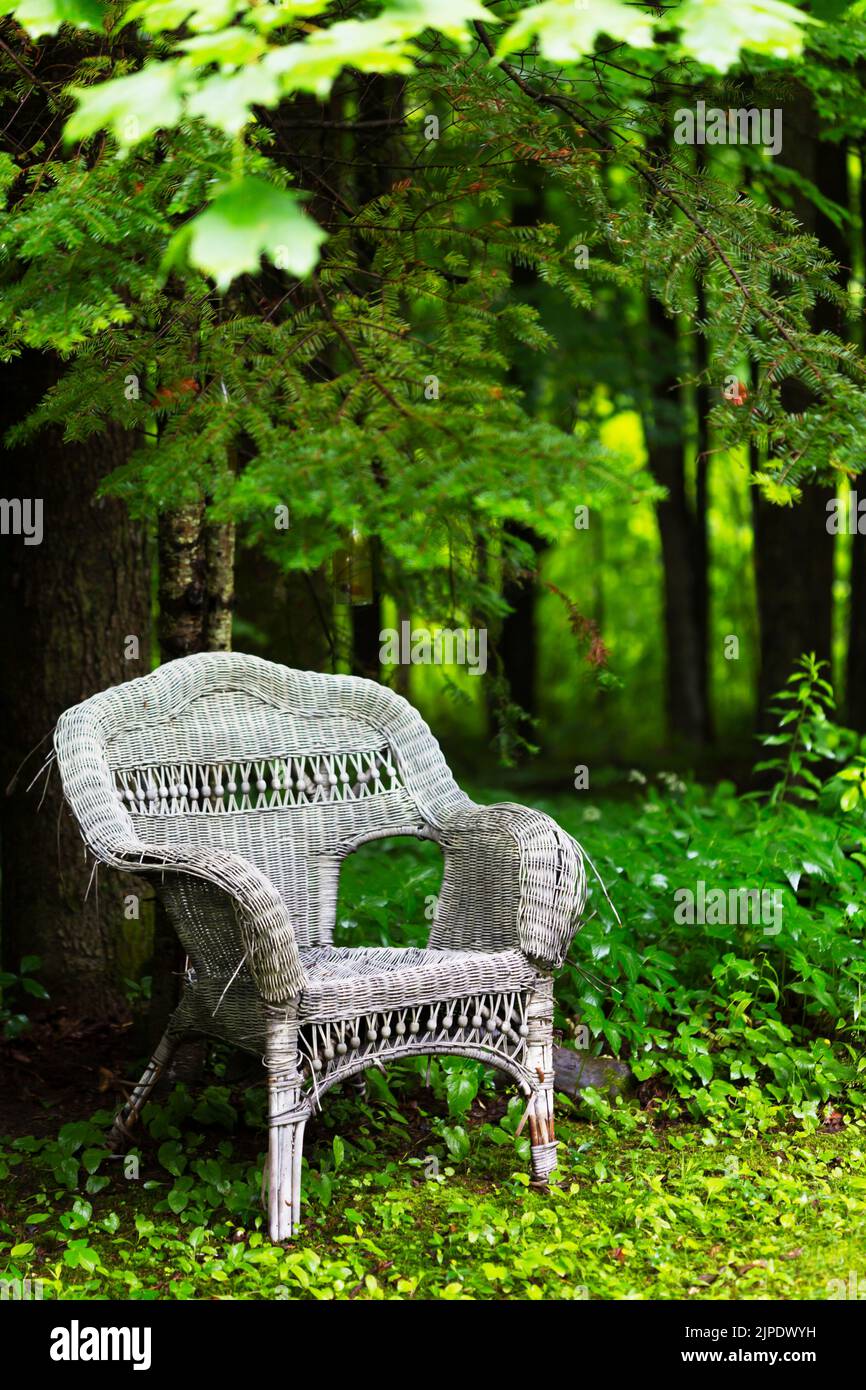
(287, 1117)
(539, 1060)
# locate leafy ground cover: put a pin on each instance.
(733, 1167)
(646, 1214)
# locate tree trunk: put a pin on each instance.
(380, 99)
(855, 685)
(219, 549)
(683, 540)
(518, 637)
(196, 595)
(284, 615)
(70, 607)
(367, 621)
(794, 576)
(517, 644)
(703, 403)
(793, 548)
(182, 582)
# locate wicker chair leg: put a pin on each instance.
(284, 1179)
(287, 1119)
(539, 1057)
(120, 1133)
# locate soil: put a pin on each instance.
(64, 1069)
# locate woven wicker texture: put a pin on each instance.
(242, 785)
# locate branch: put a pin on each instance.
(562, 104)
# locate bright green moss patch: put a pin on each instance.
(644, 1215)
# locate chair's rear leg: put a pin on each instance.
(120, 1133)
(539, 1060)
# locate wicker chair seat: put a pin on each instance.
(379, 977)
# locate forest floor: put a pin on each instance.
(655, 1213)
(736, 1170)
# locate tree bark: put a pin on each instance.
(70, 606)
(683, 539)
(219, 548)
(517, 644)
(855, 685)
(380, 99)
(182, 582)
(518, 637)
(795, 613)
(701, 544)
(196, 599)
(367, 621)
(793, 548)
(284, 615)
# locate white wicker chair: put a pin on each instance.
(243, 785)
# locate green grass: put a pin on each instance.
(646, 1215)
(743, 1176)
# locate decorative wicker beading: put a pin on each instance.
(243, 785)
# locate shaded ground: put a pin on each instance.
(63, 1069)
(637, 1211)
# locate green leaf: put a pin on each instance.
(130, 108)
(171, 1156)
(46, 16)
(247, 220)
(375, 45)
(82, 1211)
(457, 1140)
(703, 1065)
(178, 1200)
(229, 47)
(461, 1087)
(156, 16)
(80, 1256)
(714, 31)
(452, 18)
(566, 31)
(322, 1185)
(226, 100)
(34, 988)
(66, 1171)
(849, 798)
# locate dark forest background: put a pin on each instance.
(647, 559)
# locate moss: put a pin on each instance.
(647, 1215)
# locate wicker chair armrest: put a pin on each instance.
(266, 929)
(109, 832)
(512, 877)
